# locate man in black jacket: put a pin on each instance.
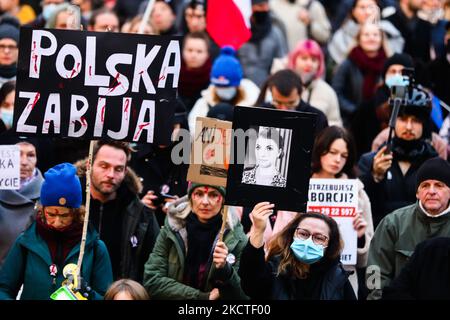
(389, 176)
(128, 228)
(285, 88)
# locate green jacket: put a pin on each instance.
(163, 275)
(29, 260)
(395, 240)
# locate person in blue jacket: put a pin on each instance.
(39, 255)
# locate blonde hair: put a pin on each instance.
(135, 289)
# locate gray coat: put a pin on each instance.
(16, 212)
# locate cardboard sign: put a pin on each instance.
(9, 167)
(337, 198)
(94, 85)
(210, 154)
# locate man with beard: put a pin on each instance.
(128, 228)
(267, 42)
(389, 175)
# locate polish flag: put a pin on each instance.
(228, 21)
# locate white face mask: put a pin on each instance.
(226, 93)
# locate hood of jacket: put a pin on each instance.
(180, 209)
(132, 180)
(30, 193)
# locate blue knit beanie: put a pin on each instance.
(61, 187)
(9, 28)
(226, 70)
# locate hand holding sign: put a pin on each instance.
(220, 255)
(359, 224)
(260, 215)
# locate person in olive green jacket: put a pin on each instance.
(399, 232)
(188, 261)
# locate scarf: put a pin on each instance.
(371, 69)
(59, 241)
(193, 81)
(200, 238)
(8, 72)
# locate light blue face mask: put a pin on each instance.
(307, 251)
(226, 93)
(48, 10)
(7, 117)
(396, 80)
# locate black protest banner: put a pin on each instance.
(94, 85)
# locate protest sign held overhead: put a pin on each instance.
(9, 167)
(83, 85)
(338, 199)
(210, 154)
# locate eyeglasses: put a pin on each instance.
(3, 47)
(317, 238)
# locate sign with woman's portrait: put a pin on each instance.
(271, 158)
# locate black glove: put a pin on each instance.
(84, 289)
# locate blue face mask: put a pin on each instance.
(7, 117)
(396, 80)
(307, 251)
(48, 10)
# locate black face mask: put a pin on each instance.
(260, 17)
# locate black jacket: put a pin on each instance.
(426, 275)
(395, 190)
(128, 228)
(259, 279)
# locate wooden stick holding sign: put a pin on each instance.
(146, 16)
(224, 222)
(88, 203)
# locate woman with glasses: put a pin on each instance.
(189, 261)
(9, 48)
(39, 255)
(333, 157)
(302, 262)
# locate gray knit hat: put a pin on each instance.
(9, 28)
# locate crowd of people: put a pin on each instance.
(154, 235)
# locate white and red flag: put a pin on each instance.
(228, 21)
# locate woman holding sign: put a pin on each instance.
(189, 261)
(302, 262)
(39, 255)
(333, 157)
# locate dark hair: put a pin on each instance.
(273, 134)
(122, 145)
(6, 89)
(135, 289)
(198, 35)
(77, 213)
(281, 245)
(284, 80)
(322, 146)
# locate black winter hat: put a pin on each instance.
(434, 169)
(403, 59)
(258, 1)
(9, 28)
